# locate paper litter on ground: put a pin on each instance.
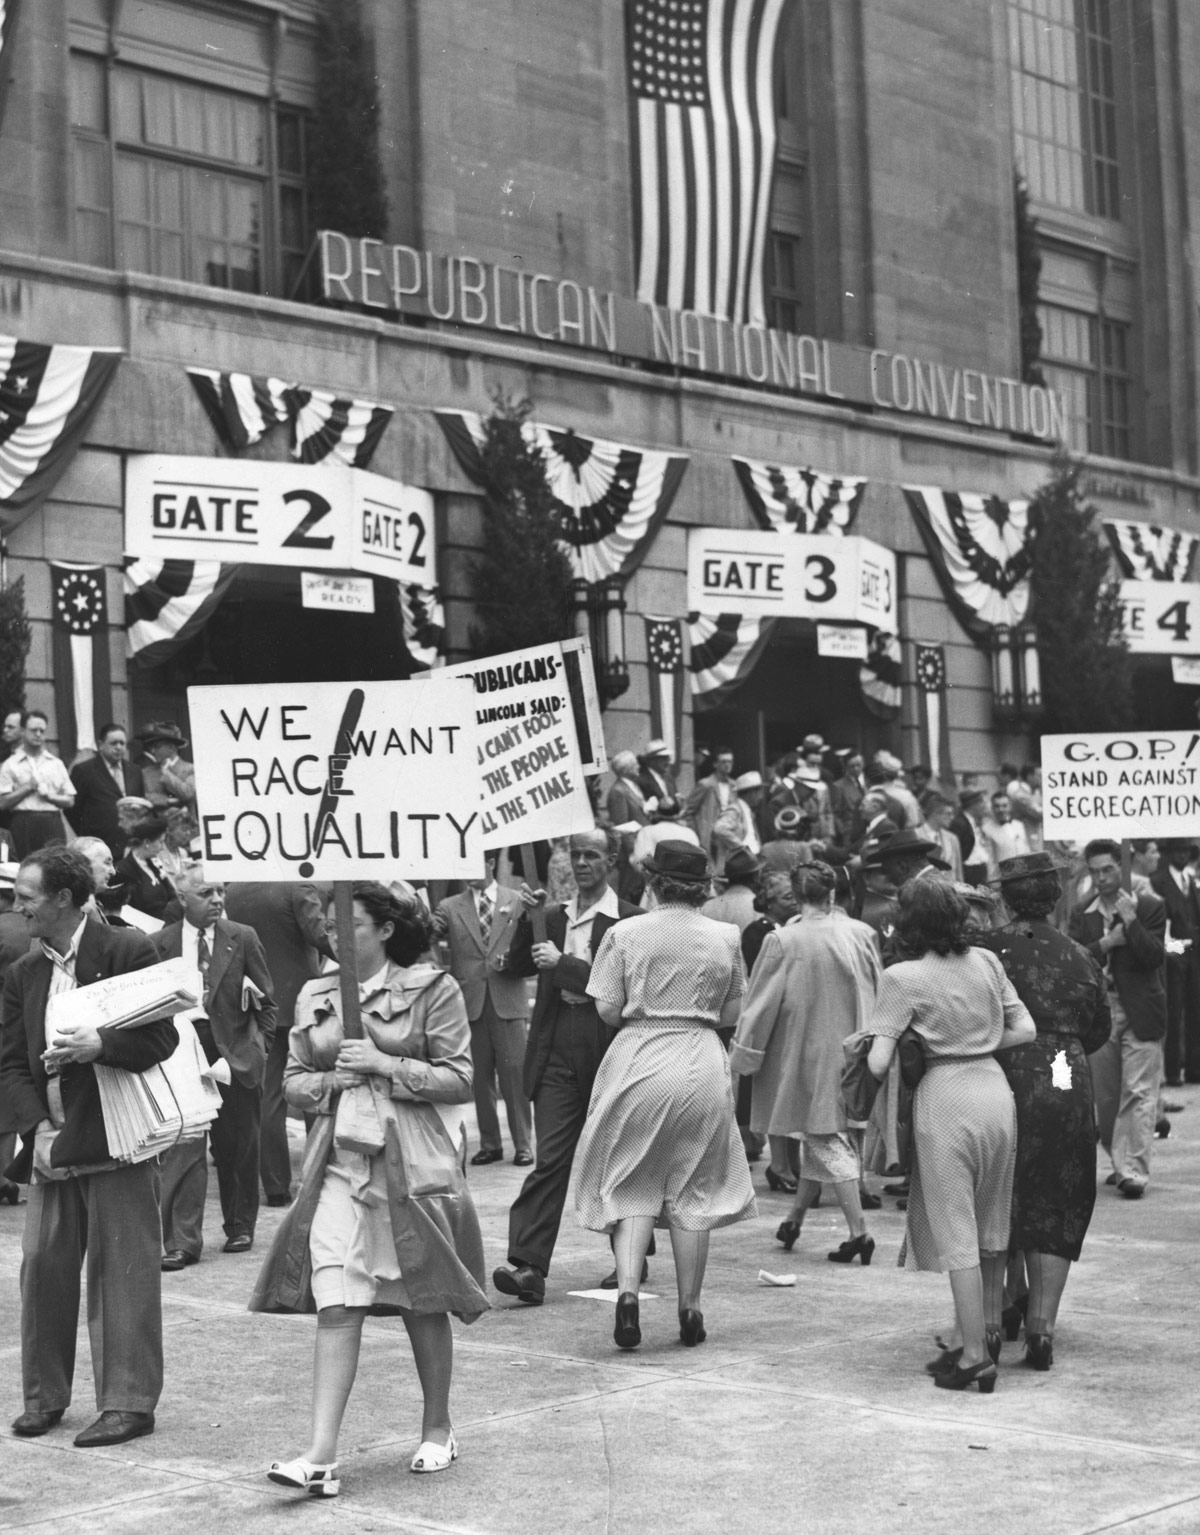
(780, 1281)
(609, 1295)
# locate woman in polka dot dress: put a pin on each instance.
(661, 1144)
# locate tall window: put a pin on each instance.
(187, 180)
(1064, 102)
(1087, 359)
(789, 267)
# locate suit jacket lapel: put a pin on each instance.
(502, 921)
(224, 948)
(470, 913)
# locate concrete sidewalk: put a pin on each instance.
(807, 1409)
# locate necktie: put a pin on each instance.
(485, 918)
(203, 960)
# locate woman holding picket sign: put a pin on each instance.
(383, 1222)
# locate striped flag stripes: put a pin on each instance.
(664, 656)
(724, 650)
(787, 500)
(244, 408)
(701, 82)
(82, 674)
(167, 601)
(1147, 552)
(48, 396)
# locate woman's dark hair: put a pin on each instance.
(932, 919)
(679, 892)
(1034, 896)
(148, 830)
(413, 929)
(813, 882)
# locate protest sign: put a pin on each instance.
(529, 752)
(338, 781)
(1121, 784)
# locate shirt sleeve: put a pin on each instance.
(607, 980)
(893, 1007)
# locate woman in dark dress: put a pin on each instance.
(1054, 1188)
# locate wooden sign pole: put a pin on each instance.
(529, 868)
(1126, 865)
(343, 914)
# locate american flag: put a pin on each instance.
(82, 673)
(664, 656)
(701, 76)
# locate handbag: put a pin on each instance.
(356, 1125)
(911, 1049)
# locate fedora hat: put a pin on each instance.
(751, 780)
(969, 796)
(679, 860)
(657, 748)
(1022, 865)
(906, 841)
(163, 730)
(741, 863)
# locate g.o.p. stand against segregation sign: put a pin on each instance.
(1121, 784)
(338, 781)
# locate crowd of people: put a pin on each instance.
(843, 965)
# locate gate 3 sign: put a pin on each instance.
(791, 575)
(1140, 784)
(338, 780)
(318, 516)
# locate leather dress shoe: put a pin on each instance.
(523, 1159)
(176, 1259)
(278, 1201)
(1130, 1188)
(482, 1158)
(523, 1281)
(115, 1428)
(32, 1424)
(239, 1244)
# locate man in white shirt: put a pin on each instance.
(1002, 837)
(35, 788)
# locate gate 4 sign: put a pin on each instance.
(337, 781)
(319, 516)
(1161, 617)
(1138, 784)
(791, 575)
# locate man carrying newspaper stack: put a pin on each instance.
(80, 1199)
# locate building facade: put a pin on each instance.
(846, 317)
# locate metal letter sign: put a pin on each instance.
(316, 516)
(791, 575)
(338, 781)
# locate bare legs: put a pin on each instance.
(847, 1195)
(335, 1364)
(1047, 1280)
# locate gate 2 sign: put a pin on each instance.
(317, 516)
(1138, 784)
(338, 780)
(791, 575)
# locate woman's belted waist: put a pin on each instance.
(941, 1060)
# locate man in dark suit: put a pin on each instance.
(235, 1022)
(1125, 933)
(290, 923)
(1174, 884)
(477, 927)
(99, 783)
(80, 1199)
(567, 1041)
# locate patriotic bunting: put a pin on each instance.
(664, 654)
(167, 601)
(48, 396)
(930, 671)
(424, 626)
(723, 654)
(1147, 552)
(701, 78)
(799, 500)
(609, 499)
(879, 675)
(243, 409)
(982, 551)
(82, 676)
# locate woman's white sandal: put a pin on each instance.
(434, 1457)
(316, 1481)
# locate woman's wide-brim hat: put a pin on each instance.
(1023, 865)
(163, 730)
(681, 861)
(905, 842)
(789, 818)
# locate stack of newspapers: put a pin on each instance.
(145, 1112)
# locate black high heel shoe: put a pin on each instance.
(691, 1328)
(1012, 1317)
(1039, 1350)
(944, 1362)
(983, 1375)
(778, 1183)
(860, 1247)
(992, 1342)
(10, 1193)
(626, 1332)
(788, 1232)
